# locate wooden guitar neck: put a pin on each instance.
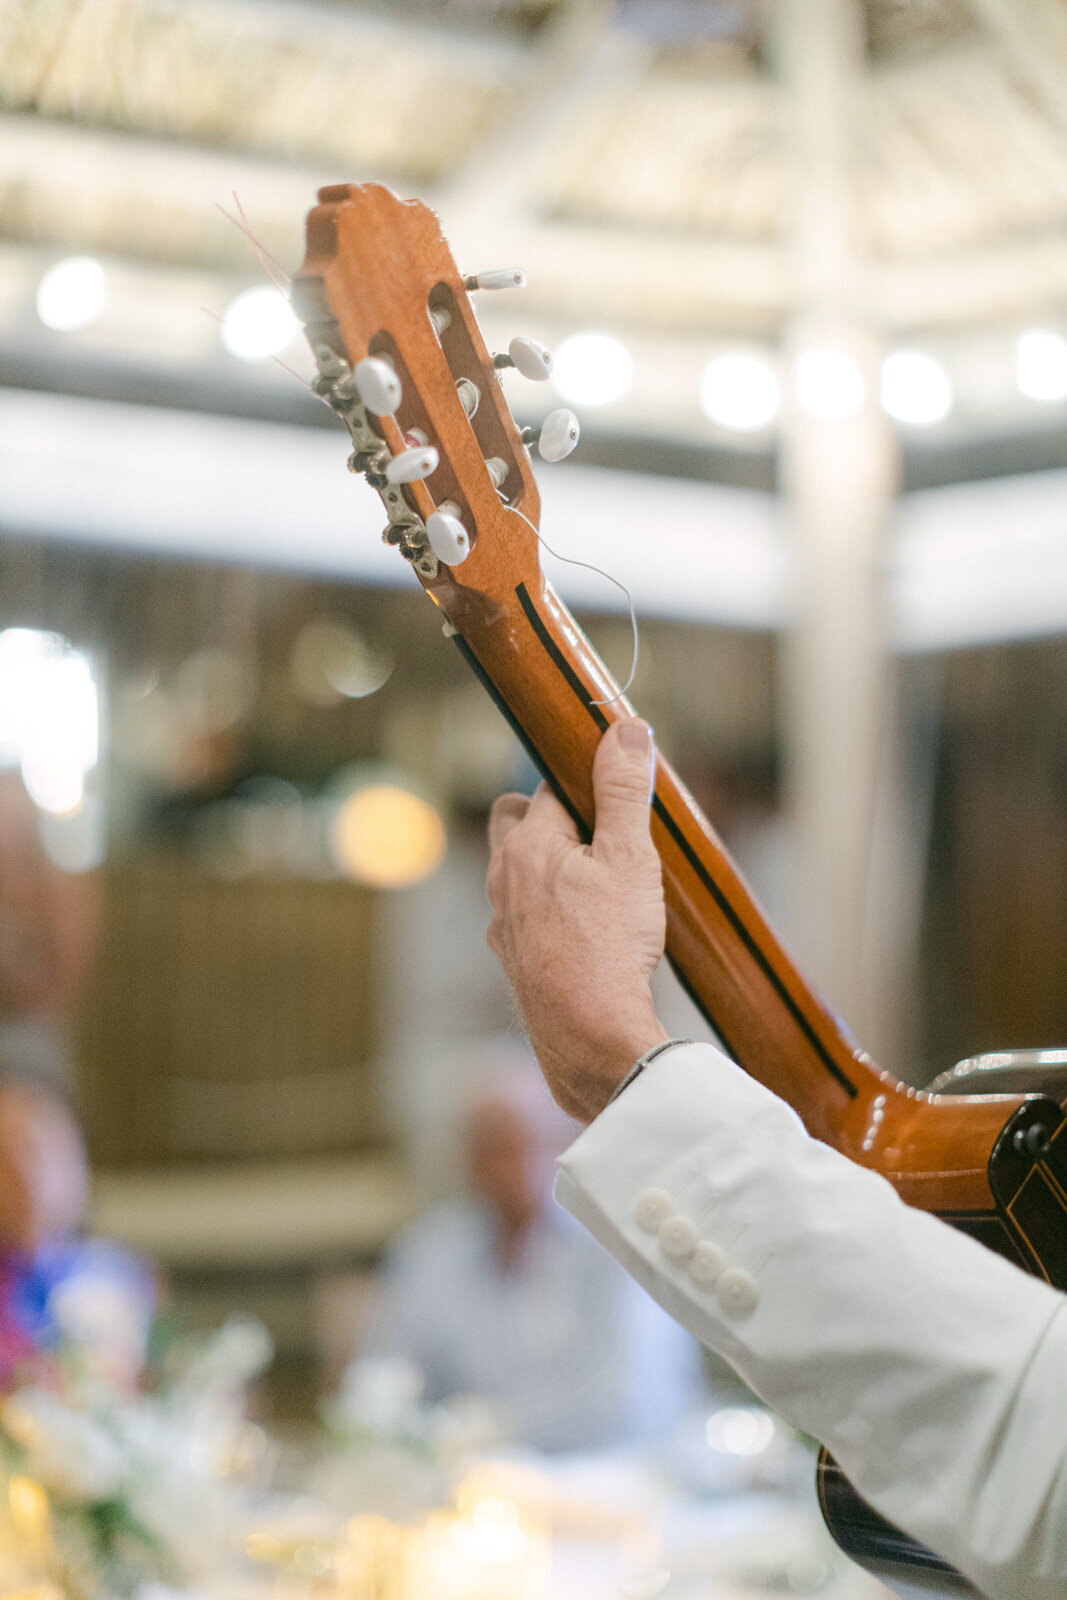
(402, 360)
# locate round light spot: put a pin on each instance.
(1041, 364)
(740, 391)
(72, 294)
(258, 324)
(740, 1431)
(915, 388)
(387, 837)
(592, 369)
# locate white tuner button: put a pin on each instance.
(377, 385)
(501, 278)
(449, 539)
(559, 434)
(411, 465)
(530, 358)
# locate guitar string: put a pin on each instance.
(473, 412)
(278, 362)
(274, 270)
(572, 561)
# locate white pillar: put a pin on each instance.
(840, 471)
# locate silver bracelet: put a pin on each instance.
(641, 1063)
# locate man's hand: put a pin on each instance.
(580, 928)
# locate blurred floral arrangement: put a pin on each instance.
(104, 1491)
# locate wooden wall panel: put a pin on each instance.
(228, 1018)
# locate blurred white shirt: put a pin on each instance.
(568, 1350)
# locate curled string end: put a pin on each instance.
(590, 567)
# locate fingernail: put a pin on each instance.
(635, 734)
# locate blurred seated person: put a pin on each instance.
(501, 1296)
(58, 1290)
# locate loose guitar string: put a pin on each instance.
(278, 276)
(572, 561)
(281, 281)
(278, 362)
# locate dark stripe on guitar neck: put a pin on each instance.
(752, 947)
(694, 861)
(553, 649)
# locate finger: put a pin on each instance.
(504, 814)
(623, 775)
(547, 815)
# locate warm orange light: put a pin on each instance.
(387, 837)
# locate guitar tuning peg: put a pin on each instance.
(533, 360)
(501, 278)
(556, 437)
(449, 539)
(377, 385)
(412, 465)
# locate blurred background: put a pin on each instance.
(803, 265)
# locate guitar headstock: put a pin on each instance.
(402, 360)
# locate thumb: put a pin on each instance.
(624, 771)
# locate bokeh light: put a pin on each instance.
(49, 716)
(385, 836)
(72, 294)
(592, 369)
(1041, 364)
(331, 662)
(915, 388)
(739, 390)
(740, 1431)
(258, 324)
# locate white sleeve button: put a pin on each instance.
(706, 1264)
(652, 1209)
(678, 1238)
(737, 1293)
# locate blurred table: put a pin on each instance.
(259, 1214)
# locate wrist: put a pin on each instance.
(611, 1052)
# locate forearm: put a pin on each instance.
(934, 1371)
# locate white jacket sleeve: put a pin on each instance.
(934, 1371)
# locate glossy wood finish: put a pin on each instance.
(374, 266)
